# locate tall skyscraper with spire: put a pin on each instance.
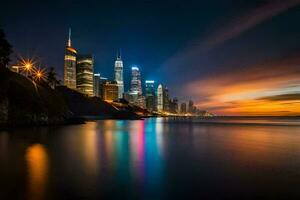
(119, 74)
(70, 64)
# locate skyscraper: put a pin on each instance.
(166, 99)
(102, 81)
(183, 108)
(110, 91)
(119, 75)
(85, 73)
(160, 100)
(70, 65)
(150, 95)
(173, 105)
(136, 84)
(191, 107)
(96, 85)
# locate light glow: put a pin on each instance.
(134, 68)
(149, 81)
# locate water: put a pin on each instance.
(153, 159)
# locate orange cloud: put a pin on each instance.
(268, 89)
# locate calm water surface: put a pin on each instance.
(153, 159)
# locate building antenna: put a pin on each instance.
(119, 54)
(69, 39)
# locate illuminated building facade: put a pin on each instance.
(110, 91)
(96, 85)
(119, 75)
(150, 95)
(166, 100)
(191, 107)
(162, 98)
(136, 84)
(141, 101)
(160, 102)
(173, 105)
(70, 65)
(102, 81)
(131, 97)
(183, 108)
(85, 74)
(135, 99)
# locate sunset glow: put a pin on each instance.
(267, 89)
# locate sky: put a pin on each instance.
(231, 57)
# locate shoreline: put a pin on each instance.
(205, 121)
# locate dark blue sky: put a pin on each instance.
(173, 42)
(149, 32)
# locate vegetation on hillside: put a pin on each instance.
(5, 50)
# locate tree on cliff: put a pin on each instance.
(52, 78)
(5, 50)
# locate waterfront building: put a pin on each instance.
(173, 105)
(136, 84)
(135, 99)
(84, 74)
(102, 81)
(141, 101)
(110, 91)
(166, 100)
(150, 95)
(96, 85)
(160, 98)
(70, 65)
(119, 75)
(131, 97)
(191, 107)
(183, 108)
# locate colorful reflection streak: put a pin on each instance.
(133, 152)
(137, 146)
(108, 143)
(90, 149)
(38, 164)
(154, 155)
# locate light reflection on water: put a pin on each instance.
(153, 158)
(37, 163)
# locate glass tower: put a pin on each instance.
(150, 95)
(85, 74)
(160, 99)
(136, 85)
(70, 65)
(96, 85)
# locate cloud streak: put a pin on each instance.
(236, 27)
(283, 97)
(249, 20)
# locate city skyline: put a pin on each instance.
(253, 38)
(150, 99)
